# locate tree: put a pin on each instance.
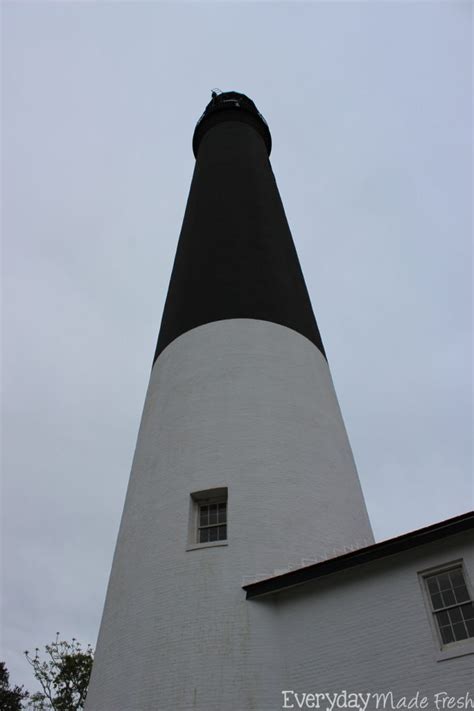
(63, 675)
(10, 699)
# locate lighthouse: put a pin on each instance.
(242, 465)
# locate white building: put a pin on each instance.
(243, 470)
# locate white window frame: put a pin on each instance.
(457, 648)
(218, 495)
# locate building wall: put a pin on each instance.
(250, 405)
(367, 629)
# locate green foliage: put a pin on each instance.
(10, 699)
(63, 675)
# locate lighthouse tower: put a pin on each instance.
(242, 465)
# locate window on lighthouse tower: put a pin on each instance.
(212, 524)
(208, 523)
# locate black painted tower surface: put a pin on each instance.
(235, 256)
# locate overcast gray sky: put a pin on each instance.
(369, 105)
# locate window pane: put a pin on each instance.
(212, 533)
(456, 578)
(455, 615)
(448, 597)
(468, 611)
(436, 601)
(432, 584)
(222, 533)
(470, 627)
(461, 593)
(443, 581)
(213, 513)
(222, 513)
(443, 618)
(447, 635)
(460, 631)
(203, 516)
(204, 535)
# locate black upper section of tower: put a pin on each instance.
(231, 106)
(235, 256)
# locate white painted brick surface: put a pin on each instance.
(367, 629)
(249, 405)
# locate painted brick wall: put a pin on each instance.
(249, 405)
(368, 629)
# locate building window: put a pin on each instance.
(451, 604)
(212, 522)
(208, 521)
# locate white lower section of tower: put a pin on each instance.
(243, 404)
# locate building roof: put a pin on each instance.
(391, 546)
